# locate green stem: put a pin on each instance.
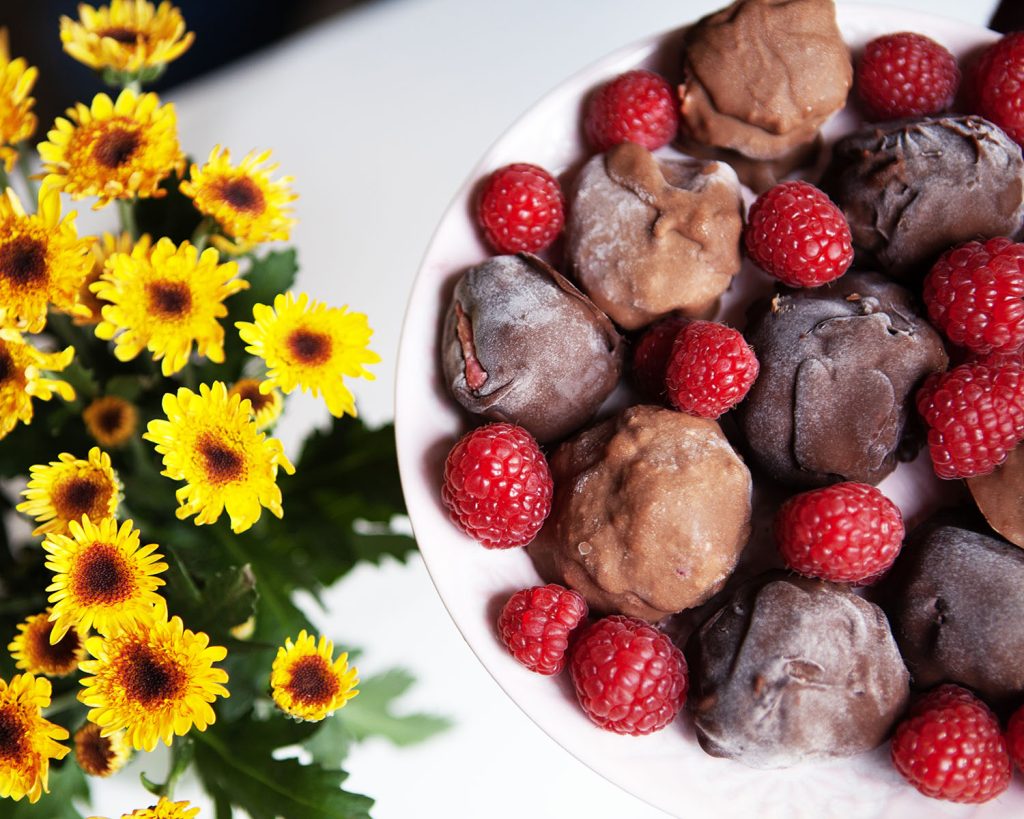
(25, 168)
(201, 235)
(182, 752)
(61, 703)
(134, 85)
(126, 210)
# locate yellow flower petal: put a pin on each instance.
(307, 682)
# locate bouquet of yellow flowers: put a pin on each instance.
(159, 355)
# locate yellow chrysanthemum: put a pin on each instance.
(103, 578)
(249, 206)
(22, 379)
(33, 652)
(42, 261)
(128, 36)
(113, 150)
(17, 121)
(266, 406)
(99, 755)
(210, 441)
(102, 249)
(165, 300)
(111, 420)
(154, 679)
(27, 741)
(307, 682)
(311, 345)
(164, 809)
(69, 488)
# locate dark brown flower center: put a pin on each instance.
(23, 260)
(94, 752)
(148, 678)
(312, 682)
(243, 194)
(61, 657)
(309, 347)
(7, 368)
(256, 398)
(222, 463)
(114, 148)
(13, 743)
(81, 495)
(101, 576)
(123, 35)
(170, 299)
(111, 419)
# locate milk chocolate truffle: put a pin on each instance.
(911, 189)
(1000, 497)
(956, 601)
(522, 344)
(648, 235)
(794, 669)
(839, 368)
(650, 513)
(762, 76)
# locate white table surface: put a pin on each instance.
(379, 114)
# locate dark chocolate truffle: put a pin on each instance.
(956, 601)
(793, 669)
(839, 367)
(1000, 497)
(911, 189)
(522, 344)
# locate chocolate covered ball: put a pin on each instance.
(522, 344)
(791, 670)
(650, 513)
(1000, 497)
(839, 368)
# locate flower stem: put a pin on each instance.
(61, 703)
(126, 210)
(25, 168)
(201, 235)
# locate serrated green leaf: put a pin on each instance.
(66, 784)
(127, 387)
(215, 603)
(371, 713)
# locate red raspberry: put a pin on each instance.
(950, 747)
(975, 417)
(846, 533)
(999, 85)
(651, 354)
(975, 295)
(535, 625)
(906, 75)
(797, 234)
(711, 369)
(629, 677)
(1015, 738)
(521, 209)
(638, 106)
(497, 486)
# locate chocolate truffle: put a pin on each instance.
(911, 189)
(762, 76)
(793, 669)
(839, 367)
(650, 513)
(1000, 497)
(956, 601)
(522, 344)
(648, 235)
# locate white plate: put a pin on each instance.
(667, 769)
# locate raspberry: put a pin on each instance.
(950, 747)
(846, 533)
(710, 370)
(797, 234)
(535, 625)
(1015, 738)
(629, 677)
(521, 209)
(975, 295)
(998, 85)
(975, 417)
(906, 75)
(651, 355)
(638, 106)
(497, 486)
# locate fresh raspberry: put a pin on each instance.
(999, 85)
(638, 106)
(906, 75)
(497, 486)
(950, 747)
(651, 354)
(975, 295)
(535, 625)
(797, 234)
(1015, 738)
(629, 677)
(975, 417)
(846, 533)
(521, 209)
(710, 370)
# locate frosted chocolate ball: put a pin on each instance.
(792, 670)
(521, 344)
(650, 513)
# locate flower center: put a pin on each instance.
(312, 682)
(6, 366)
(121, 34)
(243, 194)
(148, 678)
(170, 299)
(23, 260)
(93, 751)
(58, 658)
(13, 745)
(81, 495)
(115, 147)
(256, 398)
(101, 576)
(222, 463)
(111, 419)
(309, 347)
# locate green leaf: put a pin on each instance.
(66, 783)
(213, 604)
(371, 713)
(127, 387)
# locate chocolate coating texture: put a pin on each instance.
(762, 76)
(1000, 497)
(911, 189)
(650, 513)
(839, 367)
(648, 235)
(520, 343)
(793, 669)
